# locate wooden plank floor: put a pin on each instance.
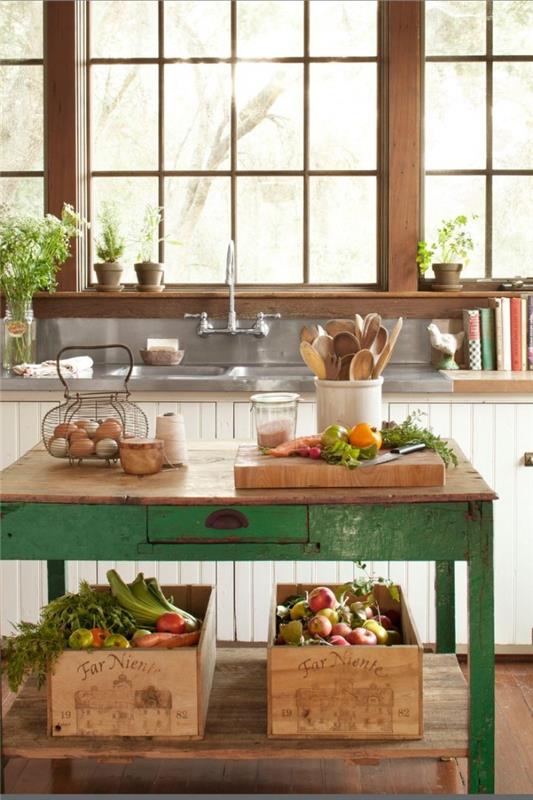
(514, 764)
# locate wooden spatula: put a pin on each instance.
(361, 366)
(314, 360)
(386, 353)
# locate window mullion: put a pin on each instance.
(305, 232)
(233, 136)
(489, 159)
(161, 127)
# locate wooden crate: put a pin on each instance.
(138, 691)
(356, 692)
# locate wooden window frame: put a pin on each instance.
(400, 151)
(490, 281)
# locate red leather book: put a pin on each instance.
(516, 334)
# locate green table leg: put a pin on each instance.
(56, 579)
(445, 600)
(481, 652)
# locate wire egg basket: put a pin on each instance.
(89, 425)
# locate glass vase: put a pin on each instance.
(20, 339)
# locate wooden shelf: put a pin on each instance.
(236, 723)
(490, 381)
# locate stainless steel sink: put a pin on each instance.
(269, 371)
(170, 373)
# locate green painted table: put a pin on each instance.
(58, 513)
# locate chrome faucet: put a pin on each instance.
(260, 328)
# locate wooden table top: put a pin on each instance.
(37, 477)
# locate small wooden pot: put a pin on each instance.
(141, 456)
(447, 277)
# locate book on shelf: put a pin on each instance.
(516, 334)
(495, 303)
(530, 331)
(471, 320)
(488, 349)
(506, 332)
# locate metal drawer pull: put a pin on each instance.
(226, 519)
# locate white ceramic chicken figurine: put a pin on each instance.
(447, 343)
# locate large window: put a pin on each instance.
(21, 106)
(479, 128)
(250, 119)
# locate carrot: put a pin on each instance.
(288, 448)
(168, 640)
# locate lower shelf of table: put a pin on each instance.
(236, 724)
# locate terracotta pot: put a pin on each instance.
(149, 273)
(447, 277)
(109, 273)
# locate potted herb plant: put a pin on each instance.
(454, 242)
(31, 252)
(149, 273)
(110, 246)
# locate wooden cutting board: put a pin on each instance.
(253, 470)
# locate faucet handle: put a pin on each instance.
(203, 315)
(260, 316)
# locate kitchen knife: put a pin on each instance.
(393, 454)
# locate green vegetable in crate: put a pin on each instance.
(145, 601)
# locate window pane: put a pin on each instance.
(130, 196)
(512, 236)
(21, 118)
(342, 230)
(124, 121)
(270, 28)
(197, 116)
(455, 116)
(21, 29)
(343, 28)
(343, 116)
(513, 27)
(269, 223)
(22, 195)
(270, 116)
(445, 198)
(455, 27)
(122, 29)
(195, 28)
(513, 116)
(197, 214)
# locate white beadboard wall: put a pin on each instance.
(494, 435)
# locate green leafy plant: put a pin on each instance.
(149, 235)
(453, 245)
(110, 244)
(410, 431)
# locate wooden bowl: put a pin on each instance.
(162, 358)
(141, 456)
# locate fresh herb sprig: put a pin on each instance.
(411, 431)
(32, 651)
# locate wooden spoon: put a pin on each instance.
(345, 343)
(335, 326)
(372, 325)
(333, 366)
(314, 360)
(344, 372)
(361, 366)
(309, 333)
(382, 337)
(359, 325)
(386, 353)
(324, 346)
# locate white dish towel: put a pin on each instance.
(77, 367)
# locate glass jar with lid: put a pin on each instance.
(275, 417)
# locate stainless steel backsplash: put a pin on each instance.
(280, 346)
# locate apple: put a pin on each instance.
(394, 637)
(395, 617)
(319, 626)
(171, 623)
(362, 636)
(320, 598)
(330, 614)
(384, 621)
(116, 640)
(361, 611)
(377, 629)
(292, 632)
(299, 610)
(81, 639)
(140, 633)
(338, 641)
(341, 629)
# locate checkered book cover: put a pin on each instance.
(473, 338)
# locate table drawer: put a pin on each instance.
(205, 524)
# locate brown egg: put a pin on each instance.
(110, 429)
(79, 433)
(81, 448)
(64, 429)
(82, 423)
